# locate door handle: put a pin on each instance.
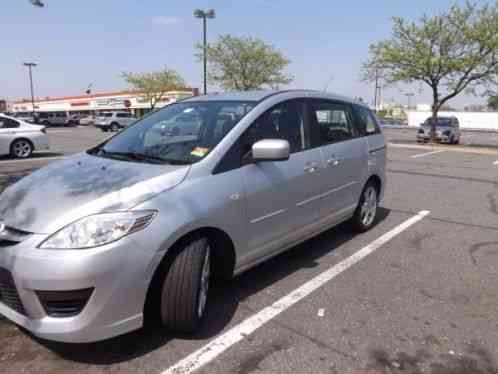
(332, 161)
(311, 167)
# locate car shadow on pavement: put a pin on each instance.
(226, 297)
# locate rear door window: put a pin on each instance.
(332, 122)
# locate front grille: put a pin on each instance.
(8, 292)
(64, 303)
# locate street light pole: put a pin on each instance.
(30, 65)
(198, 13)
(409, 95)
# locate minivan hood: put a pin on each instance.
(64, 191)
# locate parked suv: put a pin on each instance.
(143, 220)
(447, 130)
(114, 121)
(52, 118)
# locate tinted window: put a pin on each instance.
(284, 121)
(332, 121)
(366, 123)
(123, 115)
(7, 123)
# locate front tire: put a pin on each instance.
(185, 287)
(365, 215)
(114, 127)
(21, 148)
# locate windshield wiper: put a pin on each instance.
(134, 156)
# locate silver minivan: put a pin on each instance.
(138, 225)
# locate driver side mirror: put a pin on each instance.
(271, 150)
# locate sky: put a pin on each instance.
(82, 42)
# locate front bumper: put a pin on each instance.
(439, 138)
(119, 274)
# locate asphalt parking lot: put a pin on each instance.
(416, 298)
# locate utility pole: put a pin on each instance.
(377, 89)
(409, 96)
(198, 13)
(30, 65)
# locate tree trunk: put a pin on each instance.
(435, 109)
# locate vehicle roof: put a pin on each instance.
(260, 95)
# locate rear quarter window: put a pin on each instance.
(365, 121)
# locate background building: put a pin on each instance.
(107, 101)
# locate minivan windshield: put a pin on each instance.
(181, 133)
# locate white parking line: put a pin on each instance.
(204, 355)
(32, 160)
(495, 163)
(427, 154)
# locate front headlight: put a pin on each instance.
(97, 230)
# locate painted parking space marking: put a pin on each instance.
(210, 351)
(427, 154)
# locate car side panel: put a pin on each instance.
(6, 136)
(377, 156)
(213, 201)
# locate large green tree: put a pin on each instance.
(493, 102)
(154, 85)
(245, 64)
(452, 52)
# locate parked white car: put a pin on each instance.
(20, 139)
(114, 121)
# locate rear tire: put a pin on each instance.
(21, 148)
(365, 215)
(185, 287)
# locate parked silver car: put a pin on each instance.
(447, 130)
(114, 121)
(52, 118)
(138, 225)
(19, 139)
(87, 120)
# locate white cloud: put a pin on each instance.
(166, 21)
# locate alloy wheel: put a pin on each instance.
(22, 149)
(369, 206)
(204, 287)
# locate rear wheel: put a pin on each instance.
(365, 214)
(21, 148)
(185, 287)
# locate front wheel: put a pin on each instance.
(114, 127)
(185, 287)
(365, 214)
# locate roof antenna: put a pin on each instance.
(328, 83)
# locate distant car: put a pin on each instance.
(26, 117)
(19, 138)
(87, 120)
(114, 121)
(73, 120)
(52, 118)
(447, 130)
